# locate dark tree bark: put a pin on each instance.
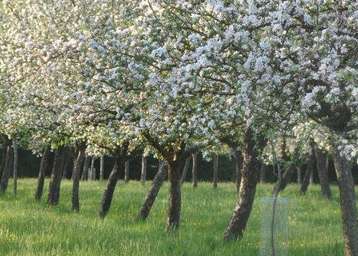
(120, 158)
(153, 192)
(68, 155)
(322, 169)
(126, 171)
(215, 170)
(249, 179)
(308, 173)
(174, 174)
(44, 165)
(86, 167)
(3, 157)
(76, 178)
(347, 202)
(7, 169)
(56, 177)
(143, 174)
(15, 166)
(185, 169)
(238, 166)
(101, 169)
(195, 170)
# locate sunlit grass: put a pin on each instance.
(31, 228)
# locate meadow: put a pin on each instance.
(29, 228)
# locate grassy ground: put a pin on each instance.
(30, 228)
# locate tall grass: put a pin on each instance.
(31, 228)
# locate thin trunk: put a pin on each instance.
(185, 170)
(299, 175)
(143, 174)
(101, 169)
(67, 160)
(92, 172)
(76, 178)
(112, 182)
(153, 192)
(16, 162)
(322, 169)
(348, 203)
(86, 166)
(249, 179)
(174, 171)
(44, 165)
(126, 171)
(215, 170)
(195, 170)
(7, 170)
(56, 177)
(308, 173)
(284, 180)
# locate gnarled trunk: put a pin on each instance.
(174, 170)
(215, 170)
(44, 165)
(153, 192)
(348, 203)
(195, 170)
(56, 177)
(249, 179)
(322, 169)
(119, 161)
(76, 178)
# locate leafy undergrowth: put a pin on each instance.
(31, 228)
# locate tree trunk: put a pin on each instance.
(284, 180)
(101, 169)
(299, 175)
(3, 156)
(16, 162)
(322, 169)
(143, 174)
(195, 170)
(7, 170)
(92, 172)
(308, 173)
(238, 166)
(348, 203)
(66, 163)
(56, 177)
(153, 192)
(111, 184)
(215, 170)
(185, 170)
(44, 165)
(249, 179)
(86, 166)
(174, 170)
(76, 178)
(126, 171)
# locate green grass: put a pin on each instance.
(31, 228)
